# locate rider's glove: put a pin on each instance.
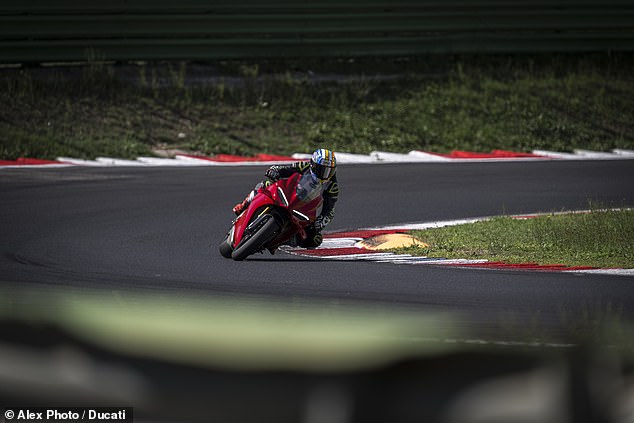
(321, 223)
(273, 173)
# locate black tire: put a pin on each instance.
(225, 248)
(257, 240)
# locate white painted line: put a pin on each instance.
(109, 161)
(629, 153)
(499, 159)
(353, 257)
(156, 161)
(38, 166)
(387, 157)
(380, 256)
(618, 272)
(399, 258)
(453, 261)
(382, 156)
(81, 162)
(428, 156)
(193, 161)
(597, 154)
(408, 259)
(339, 243)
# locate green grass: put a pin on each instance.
(603, 238)
(439, 103)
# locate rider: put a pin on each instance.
(321, 174)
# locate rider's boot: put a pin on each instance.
(240, 207)
(293, 242)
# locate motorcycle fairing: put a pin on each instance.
(280, 199)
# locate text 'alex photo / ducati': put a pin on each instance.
(276, 214)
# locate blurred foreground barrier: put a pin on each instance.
(69, 30)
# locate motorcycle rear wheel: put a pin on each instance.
(257, 241)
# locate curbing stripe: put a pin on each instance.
(375, 157)
(22, 161)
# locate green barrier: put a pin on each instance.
(37, 31)
(161, 25)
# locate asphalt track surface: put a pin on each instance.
(156, 230)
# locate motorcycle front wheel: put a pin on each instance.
(225, 248)
(256, 241)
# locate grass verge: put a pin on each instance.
(602, 238)
(437, 103)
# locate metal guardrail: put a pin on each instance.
(67, 30)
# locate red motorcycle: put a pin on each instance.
(276, 214)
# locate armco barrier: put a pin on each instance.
(70, 30)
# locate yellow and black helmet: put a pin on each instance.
(323, 164)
